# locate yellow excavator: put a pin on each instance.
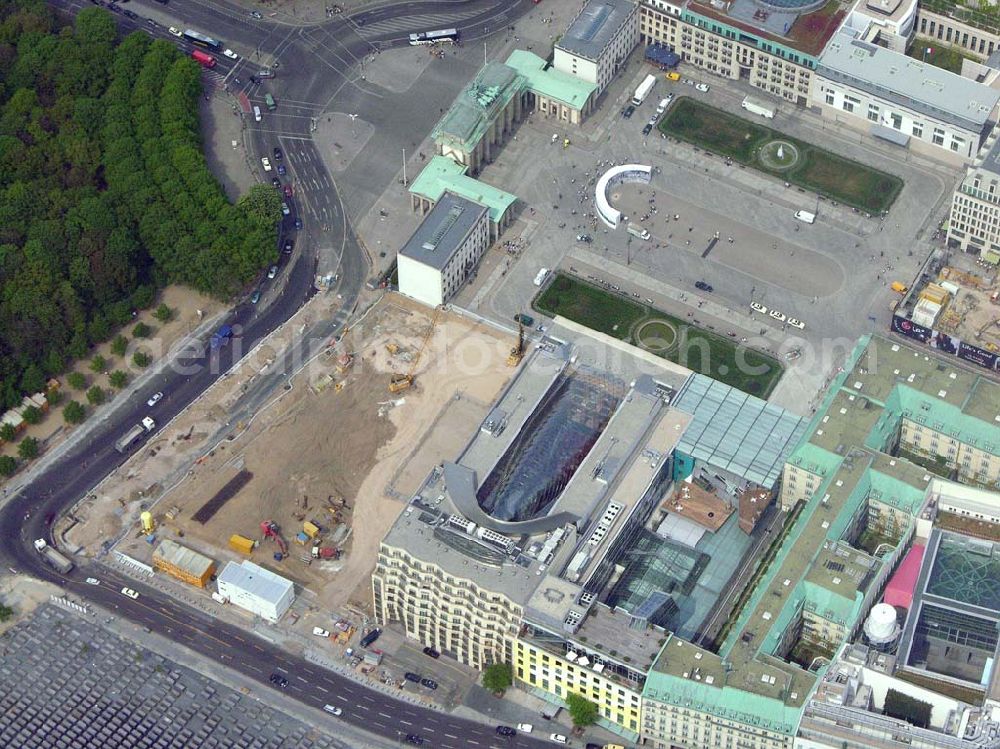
(517, 353)
(400, 382)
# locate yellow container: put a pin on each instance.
(898, 287)
(242, 544)
(311, 529)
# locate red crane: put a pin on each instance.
(270, 530)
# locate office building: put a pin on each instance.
(598, 41)
(444, 250)
(974, 223)
(255, 589)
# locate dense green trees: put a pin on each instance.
(104, 193)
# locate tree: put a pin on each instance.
(32, 381)
(76, 380)
(74, 413)
(498, 677)
(7, 432)
(55, 397)
(7, 465)
(141, 359)
(6, 612)
(163, 313)
(582, 711)
(98, 364)
(96, 396)
(119, 345)
(910, 709)
(32, 415)
(141, 330)
(28, 448)
(118, 379)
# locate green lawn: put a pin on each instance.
(700, 350)
(818, 170)
(942, 55)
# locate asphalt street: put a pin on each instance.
(325, 69)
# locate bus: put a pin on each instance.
(433, 37)
(201, 40)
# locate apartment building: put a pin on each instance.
(974, 223)
(444, 250)
(763, 48)
(598, 41)
(980, 41)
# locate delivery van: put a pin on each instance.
(806, 217)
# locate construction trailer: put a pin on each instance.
(242, 544)
(183, 563)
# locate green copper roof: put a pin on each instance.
(476, 108)
(549, 82)
(444, 175)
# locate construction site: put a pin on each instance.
(310, 485)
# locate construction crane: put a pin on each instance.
(270, 530)
(517, 353)
(400, 382)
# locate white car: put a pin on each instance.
(272, 271)
(266, 163)
(703, 87)
(174, 31)
(796, 323)
(230, 54)
(154, 399)
(558, 738)
(526, 727)
(333, 710)
(285, 210)
(777, 315)
(320, 632)
(93, 581)
(129, 593)
(758, 307)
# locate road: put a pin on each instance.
(28, 515)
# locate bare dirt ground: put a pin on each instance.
(183, 301)
(357, 441)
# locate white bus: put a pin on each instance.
(432, 37)
(542, 275)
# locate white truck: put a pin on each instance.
(638, 231)
(54, 559)
(132, 437)
(756, 106)
(806, 217)
(643, 91)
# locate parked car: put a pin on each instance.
(272, 271)
(275, 182)
(758, 307)
(278, 156)
(151, 23)
(628, 111)
(702, 286)
(558, 738)
(287, 249)
(288, 191)
(282, 170)
(777, 315)
(796, 323)
(298, 223)
(129, 593)
(703, 87)
(506, 731)
(412, 738)
(429, 683)
(410, 676)
(320, 632)
(647, 129)
(525, 320)
(333, 710)
(254, 298)
(432, 653)
(266, 163)
(526, 727)
(278, 680)
(93, 581)
(256, 14)
(285, 210)
(154, 399)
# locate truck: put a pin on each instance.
(221, 337)
(369, 638)
(807, 217)
(643, 91)
(269, 103)
(52, 557)
(541, 276)
(638, 231)
(130, 439)
(756, 106)
(203, 58)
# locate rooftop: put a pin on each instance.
(255, 580)
(172, 553)
(479, 103)
(442, 174)
(549, 82)
(908, 82)
(443, 231)
(595, 26)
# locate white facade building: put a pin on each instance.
(902, 100)
(259, 591)
(444, 250)
(974, 225)
(598, 41)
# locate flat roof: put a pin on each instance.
(597, 23)
(443, 231)
(551, 83)
(256, 580)
(442, 175)
(907, 82)
(171, 552)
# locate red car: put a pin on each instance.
(288, 191)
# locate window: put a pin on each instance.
(829, 98)
(918, 130)
(957, 144)
(873, 112)
(938, 138)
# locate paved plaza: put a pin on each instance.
(68, 683)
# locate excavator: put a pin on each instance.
(270, 530)
(401, 382)
(517, 353)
